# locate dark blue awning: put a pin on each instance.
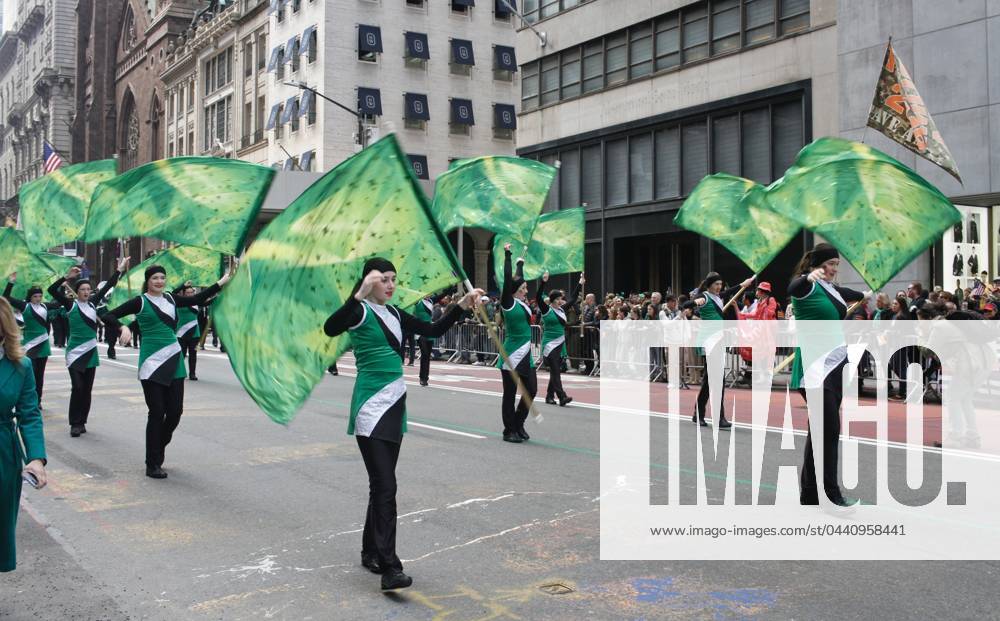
(272, 64)
(416, 45)
(305, 163)
(291, 110)
(461, 112)
(307, 37)
(504, 116)
(272, 118)
(307, 103)
(419, 164)
(369, 101)
(416, 108)
(369, 38)
(501, 9)
(503, 58)
(463, 2)
(291, 49)
(461, 52)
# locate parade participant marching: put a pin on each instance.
(20, 426)
(554, 336)
(161, 366)
(815, 297)
(189, 329)
(423, 310)
(378, 402)
(517, 343)
(37, 317)
(81, 349)
(712, 300)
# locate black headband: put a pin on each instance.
(710, 278)
(822, 253)
(377, 263)
(33, 290)
(82, 281)
(154, 269)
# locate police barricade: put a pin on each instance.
(471, 342)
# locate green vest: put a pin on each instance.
(160, 357)
(35, 335)
(553, 331)
(187, 323)
(81, 345)
(707, 333)
(422, 311)
(379, 389)
(817, 305)
(517, 336)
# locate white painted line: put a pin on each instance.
(457, 433)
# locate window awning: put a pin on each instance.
(291, 108)
(272, 64)
(307, 40)
(272, 118)
(501, 9)
(291, 49)
(419, 165)
(416, 108)
(503, 58)
(461, 112)
(461, 52)
(504, 116)
(416, 45)
(369, 101)
(369, 39)
(305, 162)
(306, 104)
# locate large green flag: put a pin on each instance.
(33, 269)
(878, 213)
(734, 212)
(497, 193)
(306, 262)
(556, 246)
(182, 263)
(54, 206)
(194, 201)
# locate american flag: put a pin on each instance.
(52, 158)
(979, 289)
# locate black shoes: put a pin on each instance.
(564, 402)
(724, 424)
(423, 382)
(395, 580)
(524, 434)
(76, 430)
(512, 436)
(156, 472)
(193, 378)
(370, 562)
(700, 421)
(550, 400)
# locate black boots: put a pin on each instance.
(395, 579)
(156, 472)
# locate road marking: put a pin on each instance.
(457, 433)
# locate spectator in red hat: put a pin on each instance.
(990, 310)
(764, 307)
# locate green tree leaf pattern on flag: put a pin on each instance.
(306, 262)
(182, 263)
(54, 206)
(194, 201)
(556, 246)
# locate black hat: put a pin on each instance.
(32, 291)
(377, 263)
(710, 278)
(821, 253)
(81, 281)
(154, 269)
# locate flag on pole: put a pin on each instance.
(52, 158)
(556, 245)
(898, 111)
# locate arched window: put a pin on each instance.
(154, 125)
(129, 35)
(128, 133)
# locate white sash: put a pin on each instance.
(389, 319)
(163, 303)
(181, 331)
(35, 342)
(377, 405)
(87, 310)
(554, 343)
(156, 360)
(80, 350)
(517, 356)
(41, 310)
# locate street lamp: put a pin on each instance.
(362, 134)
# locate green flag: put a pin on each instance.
(33, 269)
(556, 246)
(54, 206)
(306, 262)
(194, 201)
(734, 212)
(497, 193)
(878, 213)
(182, 263)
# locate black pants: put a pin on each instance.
(379, 539)
(409, 345)
(111, 336)
(38, 368)
(514, 419)
(189, 350)
(555, 388)
(425, 359)
(833, 394)
(703, 397)
(79, 397)
(166, 404)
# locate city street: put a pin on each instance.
(257, 521)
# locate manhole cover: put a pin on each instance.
(556, 588)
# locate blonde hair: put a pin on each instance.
(10, 334)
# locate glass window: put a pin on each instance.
(549, 8)
(530, 11)
(759, 20)
(640, 50)
(695, 33)
(794, 15)
(593, 66)
(550, 79)
(668, 42)
(590, 175)
(756, 145)
(786, 135)
(726, 144)
(529, 86)
(552, 200)
(571, 73)
(725, 25)
(616, 172)
(640, 151)
(261, 51)
(694, 149)
(617, 58)
(668, 163)
(569, 179)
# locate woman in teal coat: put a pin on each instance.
(20, 423)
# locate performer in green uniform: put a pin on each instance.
(161, 367)
(711, 299)
(815, 297)
(517, 343)
(37, 317)
(554, 336)
(423, 311)
(189, 329)
(20, 426)
(378, 403)
(81, 348)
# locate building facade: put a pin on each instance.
(37, 81)
(639, 99)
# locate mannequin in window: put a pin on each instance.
(973, 259)
(957, 233)
(973, 231)
(958, 264)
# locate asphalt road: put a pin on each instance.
(259, 521)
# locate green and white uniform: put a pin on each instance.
(517, 336)
(824, 352)
(187, 323)
(423, 310)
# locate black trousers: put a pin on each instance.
(555, 387)
(189, 350)
(111, 336)
(513, 419)
(425, 359)
(409, 345)
(38, 368)
(703, 397)
(379, 538)
(79, 397)
(833, 394)
(166, 404)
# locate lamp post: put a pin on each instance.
(362, 134)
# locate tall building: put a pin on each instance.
(640, 99)
(37, 76)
